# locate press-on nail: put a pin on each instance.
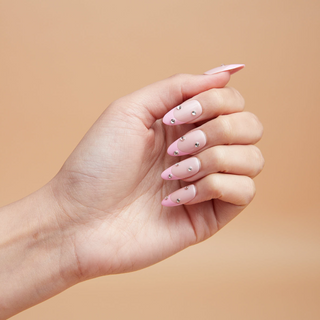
(190, 143)
(186, 112)
(181, 170)
(180, 196)
(232, 68)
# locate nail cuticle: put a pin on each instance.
(180, 197)
(192, 142)
(182, 170)
(185, 112)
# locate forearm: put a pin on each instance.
(35, 253)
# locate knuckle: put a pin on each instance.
(257, 125)
(239, 98)
(226, 129)
(218, 158)
(215, 186)
(258, 159)
(178, 77)
(249, 191)
(217, 99)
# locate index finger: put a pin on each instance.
(206, 106)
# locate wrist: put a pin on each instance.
(36, 253)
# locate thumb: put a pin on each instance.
(154, 101)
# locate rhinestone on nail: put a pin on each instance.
(178, 200)
(186, 188)
(197, 144)
(182, 138)
(170, 176)
(176, 153)
(190, 169)
(177, 164)
(166, 198)
(193, 113)
(178, 107)
(173, 121)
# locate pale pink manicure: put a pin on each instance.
(190, 143)
(232, 68)
(184, 169)
(180, 196)
(185, 112)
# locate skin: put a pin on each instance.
(102, 214)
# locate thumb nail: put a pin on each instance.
(232, 68)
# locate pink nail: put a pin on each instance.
(232, 68)
(180, 196)
(190, 143)
(187, 111)
(184, 169)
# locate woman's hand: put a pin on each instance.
(110, 189)
(102, 213)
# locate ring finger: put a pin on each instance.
(238, 190)
(237, 128)
(205, 106)
(236, 159)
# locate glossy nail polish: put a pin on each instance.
(181, 170)
(186, 112)
(180, 196)
(190, 143)
(232, 68)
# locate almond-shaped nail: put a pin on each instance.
(232, 68)
(180, 196)
(181, 170)
(189, 143)
(185, 112)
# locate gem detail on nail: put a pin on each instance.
(178, 107)
(197, 144)
(186, 188)
(166, 198)
(173, 121)
(193, 113)
(182, 138)
(178, 200)
(177, 164)
(176, 153)
(170, 176)
(190, 169)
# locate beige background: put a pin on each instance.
(62, 62)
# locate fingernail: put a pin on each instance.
(232, 68)
(180, 196)
(185, 112)
(190, 143)
(184, 169)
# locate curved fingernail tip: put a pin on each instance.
(170, 120)
(190, 143)
(232, 68)
(168, 175)
(179, 197)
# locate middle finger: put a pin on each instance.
(237, 128)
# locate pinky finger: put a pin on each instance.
(235, 189)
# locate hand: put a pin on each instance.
(110, 188)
